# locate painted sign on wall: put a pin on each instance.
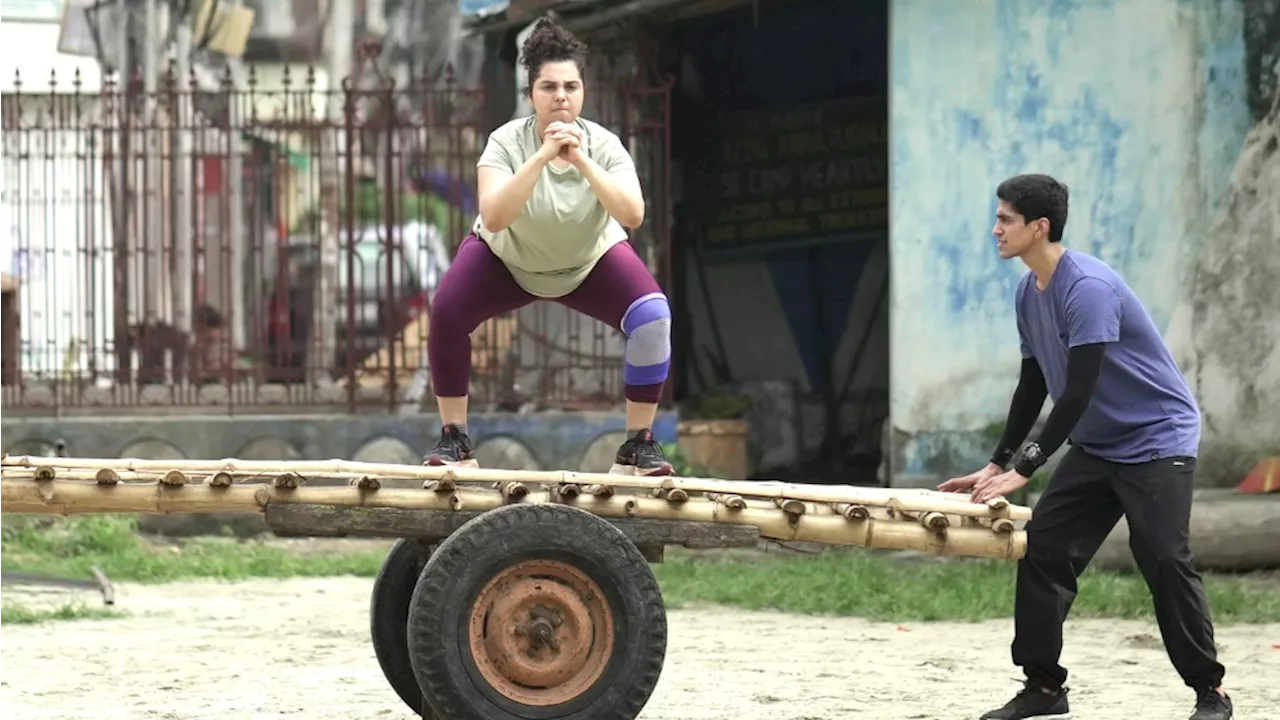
(791, 173)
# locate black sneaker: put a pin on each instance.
(454, 449)
(1212, 706)
(641, 455)
(1033, 702)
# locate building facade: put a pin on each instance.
(821, 177)
(885, 344)
(1142, 107)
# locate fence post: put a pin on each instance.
(390, 216)
(347, 221)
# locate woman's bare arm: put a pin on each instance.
(620, 194)
(503, 195)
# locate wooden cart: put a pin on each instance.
(518, 594)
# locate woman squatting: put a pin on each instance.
(555, 192)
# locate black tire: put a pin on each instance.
(628, 662)
(389, 618)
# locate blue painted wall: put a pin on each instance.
(1138, 105)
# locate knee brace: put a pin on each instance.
(647, 325)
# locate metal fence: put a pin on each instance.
(226, 246)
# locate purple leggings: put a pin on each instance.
(478, 287)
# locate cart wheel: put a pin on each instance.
(389, 617)
(534, 612)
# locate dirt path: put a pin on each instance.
(271, 649)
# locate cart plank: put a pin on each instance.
(307, 520)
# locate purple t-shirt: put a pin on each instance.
(1142, 408)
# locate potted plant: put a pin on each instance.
(713, 433)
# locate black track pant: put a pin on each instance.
(1083, 502)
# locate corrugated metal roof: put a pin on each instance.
(579, 14)
(493, 15)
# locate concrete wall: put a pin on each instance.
(1140, 106)
(545, 441)
(1225, 329)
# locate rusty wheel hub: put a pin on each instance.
(541, 632)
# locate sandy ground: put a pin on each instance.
(300, 649)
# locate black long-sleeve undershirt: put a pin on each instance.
(1084, 362)
(1028, 398)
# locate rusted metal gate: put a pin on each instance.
(276, 246)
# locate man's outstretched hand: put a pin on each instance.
(997, 485)
(985, 484)
(961, 484)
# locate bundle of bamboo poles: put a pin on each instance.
(891, 518)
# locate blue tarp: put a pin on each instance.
(472, 7)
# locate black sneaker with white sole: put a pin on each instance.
(1212, 706)
(641, 455)
(1033, 703)
(454, 449)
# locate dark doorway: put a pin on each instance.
(780, 139)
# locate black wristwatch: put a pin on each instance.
(1032, 460)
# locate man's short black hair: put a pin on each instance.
(1037, 196)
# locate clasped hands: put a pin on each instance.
(986, 484)
(563, 140)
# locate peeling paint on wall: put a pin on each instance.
(1226, 329)
(1139, 106)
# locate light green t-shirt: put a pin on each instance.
(564, 229)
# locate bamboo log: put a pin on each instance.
(905, 499)
(445, 484)
(790, 506)
(936, 520)
(852, 511)
(676, 495)
(108, 476)
(66, 497)
(830, 529)
(733, 502)
(74, 497)
(798, 507)
(513, 491)
(71, 497)
(999, 525)
(671, 495)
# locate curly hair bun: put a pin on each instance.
(551, 42)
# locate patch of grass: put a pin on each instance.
(876, 587)
(873, 585)
(69, 547)
(19, 614)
